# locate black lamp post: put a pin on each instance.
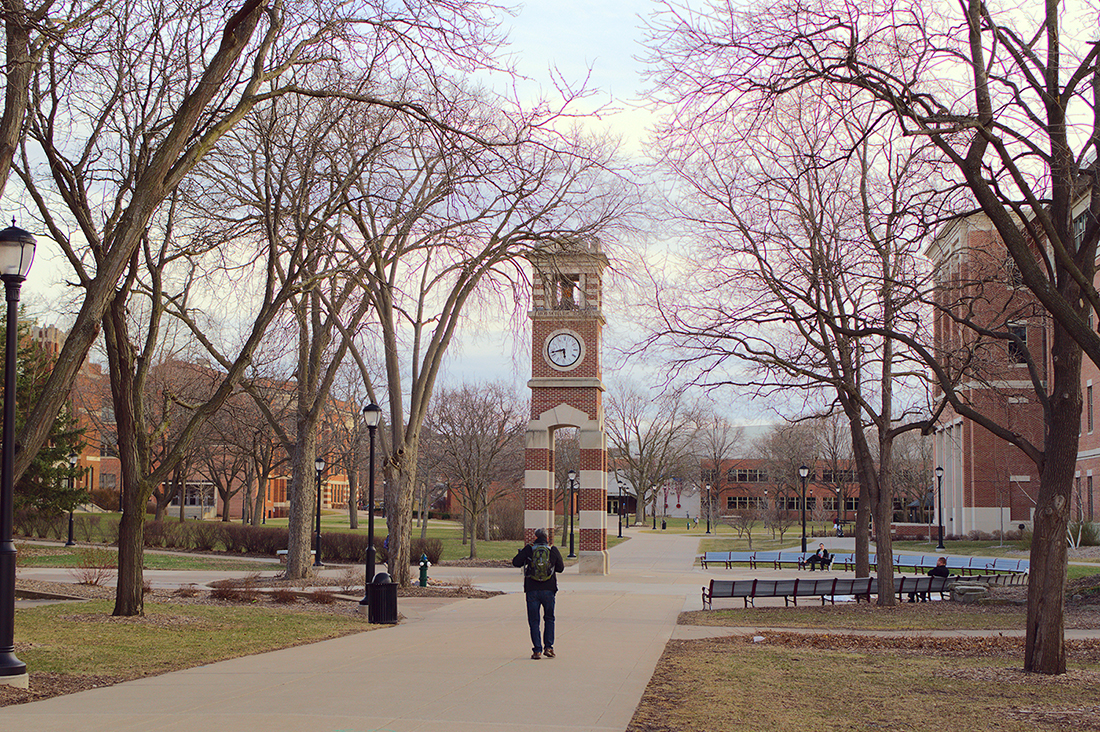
(654, 508)
(16, 254)
(939, 512)
(803, 472)
(372, 415)
(319, 464)
(73, 457)
(708, 508)
(572, 482)
(619, 480)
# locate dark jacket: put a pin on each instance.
(939, 571)
(523, 558)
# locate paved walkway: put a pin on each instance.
(458, 667)
(455, 666)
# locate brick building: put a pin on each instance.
(214, 455)
(988, 484)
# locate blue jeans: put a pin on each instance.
(541, 599)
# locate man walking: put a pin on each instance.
(541, 564)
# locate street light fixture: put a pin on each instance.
(16, 254)
(73, 458)
(319, 464)
(372, 415)
(939, 512)
(803, 473)
(572, 481)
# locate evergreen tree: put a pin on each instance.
(45, 485)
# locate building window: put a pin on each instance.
(1088, 411)
(746, 475)
(737, 503)
(1017, 347)
(851, 504)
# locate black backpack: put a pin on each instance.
(541, 566)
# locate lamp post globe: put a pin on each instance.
(319, 466)
(803, 472)
(73, 458)
(16, 254)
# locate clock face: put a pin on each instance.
(563, 350)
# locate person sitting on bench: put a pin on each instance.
(821, 556)
(940, 570)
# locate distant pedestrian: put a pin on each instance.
(541, 563)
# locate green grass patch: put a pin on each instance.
(84, 638)
(31, 555)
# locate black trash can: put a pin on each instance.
(382, 600)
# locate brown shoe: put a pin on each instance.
(549, 652)
(536, 655)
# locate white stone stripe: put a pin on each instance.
(593, 520)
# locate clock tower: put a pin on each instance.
(567, 391)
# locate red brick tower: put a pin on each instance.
(567, 391)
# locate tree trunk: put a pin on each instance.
(259, 508)
(129, 594)
(353, 499)
(1045, 650)
(399, 520)
(299, 561)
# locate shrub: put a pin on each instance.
(265, 541)
(506, 519)
(1025, 539)
(344, 546)
(1084, 533)
(187, 590)
(284, 596)
(226, 594)
(110, 530)
(433, 548)
(157, 534)
(322, 597)
(95, 565)
(23, 522)
(206, 535)
(87, 527)
(351, 578)
(105, 498)
(235, 537)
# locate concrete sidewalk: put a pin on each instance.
(458, 667)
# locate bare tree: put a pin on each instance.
(716, 442)
(1009, 101)
(480, 430)
(650, 439)
(442, 224)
